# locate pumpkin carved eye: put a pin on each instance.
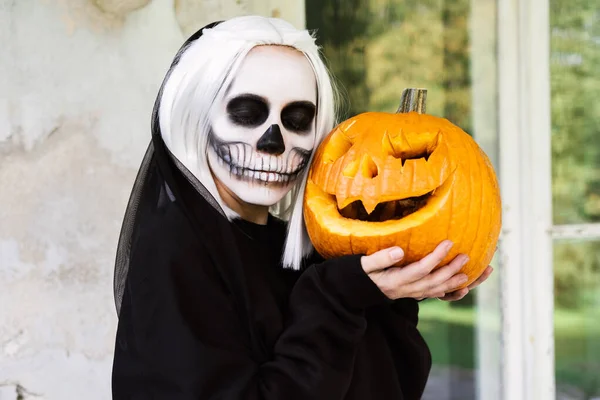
(408, 179)
(340, 144)
(367, 167)
(398, 146)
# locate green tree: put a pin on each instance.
(342, 28)
(575, 84)
(456, 73)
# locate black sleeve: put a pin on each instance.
(180, 338)
(408, 348)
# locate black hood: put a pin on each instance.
(163, 179)
(156, 153)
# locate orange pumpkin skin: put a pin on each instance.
(380, 157)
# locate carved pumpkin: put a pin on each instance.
(408, 179)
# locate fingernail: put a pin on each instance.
(464, 260)
(448, 245)
(396, 254)
(463, 278)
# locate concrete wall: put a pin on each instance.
(77, 82)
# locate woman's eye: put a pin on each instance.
(297, 124)
(247, 111)
(299, 117)
(245, 118)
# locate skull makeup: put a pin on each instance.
(263, 133)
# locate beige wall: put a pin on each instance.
(77, 83)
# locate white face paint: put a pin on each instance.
(264, 132)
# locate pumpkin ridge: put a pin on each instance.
(462, 233)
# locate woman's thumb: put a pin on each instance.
(382, 259)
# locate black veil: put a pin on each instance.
(163, 178)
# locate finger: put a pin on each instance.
(451, 284)
(431, 296)
(459, 294)
(444, 279)
(443, 274)
(455, 296)
(440, 290)
(423, 267)
(381, 259)
(482, 278)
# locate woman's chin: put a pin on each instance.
(263, 194)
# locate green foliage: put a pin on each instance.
(377, 48)
(342, 28)
(577, 274)
(575, 85)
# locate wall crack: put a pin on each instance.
(20, 391)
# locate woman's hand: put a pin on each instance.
(417, 280)
(459, 294)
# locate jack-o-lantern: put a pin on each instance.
(405, 179)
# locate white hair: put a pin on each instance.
(199, 81)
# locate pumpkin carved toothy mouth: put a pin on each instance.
(395, 209)
(392, 209)
(391, 215)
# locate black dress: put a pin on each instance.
(207, 312)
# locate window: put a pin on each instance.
(575, 115)
(523, 78)
(376, 49)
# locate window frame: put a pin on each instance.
(526, 259)
(528, 235)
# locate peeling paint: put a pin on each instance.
(120, 7)
(18, 391)
(12, 346)
(111, 77)
(193, 15)
(82, 15)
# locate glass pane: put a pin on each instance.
(575, 84)
(577, 319)
(376, 48)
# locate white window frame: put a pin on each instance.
(525, 180)
(524, 165)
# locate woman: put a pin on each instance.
(220, 299)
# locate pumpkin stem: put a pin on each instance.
(413, 99)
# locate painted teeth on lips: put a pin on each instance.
(226, 158)
(261, 176)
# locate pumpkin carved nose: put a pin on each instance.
(271, 141)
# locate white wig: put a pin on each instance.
(199, 81)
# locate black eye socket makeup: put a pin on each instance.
(298, 116)
(248, 110)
